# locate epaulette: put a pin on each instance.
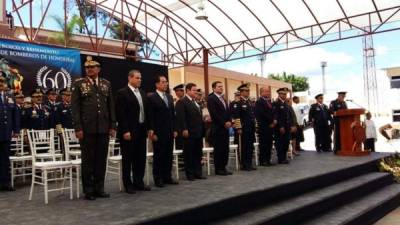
(104, 80)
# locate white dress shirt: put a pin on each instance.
(370, 130)
(136, 92)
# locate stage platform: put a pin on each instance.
(311, 184)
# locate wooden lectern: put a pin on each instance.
(352, 134)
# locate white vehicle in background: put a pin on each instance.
(302, 109)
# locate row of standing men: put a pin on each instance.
(94, 117)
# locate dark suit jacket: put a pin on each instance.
(219, 114)
(128, 111)
(161, 117)
(189, 117)
(264, 114)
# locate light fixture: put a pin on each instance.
(10, 20)
(201, 13)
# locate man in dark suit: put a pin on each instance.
(266, 123)
(322, 122)
(220, 124)
(9, 126)
(284, 127)
(162, 132)
(336, 105)
(190, 124)
(93, 113)
(245, 124)
(132, 112)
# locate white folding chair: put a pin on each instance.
(71, 144)
(207, 156)
(290, 154)
(256, 151)
(176, 153)
(114, 161)
(73, 154)
(43, 141)
(20, 161)
(234, 154)
(149, 158)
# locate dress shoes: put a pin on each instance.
(190, 178)
(130, 191)
(228, 172)
(102, 195)
(200, 177)
(159, 183)
(266, 164)
(284, 162)
(90, 197)
(142, 188)
(171, 181)
(221, 173)
(7, 188)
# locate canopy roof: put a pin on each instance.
(243, 28)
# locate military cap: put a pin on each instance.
(244, 87)
(342, 92)
(51, 91)
(199, 91)
(91, 62)
(37, 92)
(66, 91)
(179, 87)
(318, 95)
(283, 90)
(18, 95)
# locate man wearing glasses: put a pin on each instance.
(245, 124)
(94, 122)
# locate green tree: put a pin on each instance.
(65, 36)
(299, 83)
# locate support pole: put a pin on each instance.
(205, 65)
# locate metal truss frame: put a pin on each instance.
(180, 30)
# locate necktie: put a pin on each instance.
(165, 100)
(196, 105)
(139, 98)
(222, 101)
(94, 83)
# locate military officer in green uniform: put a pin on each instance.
(336, 105)
(94, 122)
